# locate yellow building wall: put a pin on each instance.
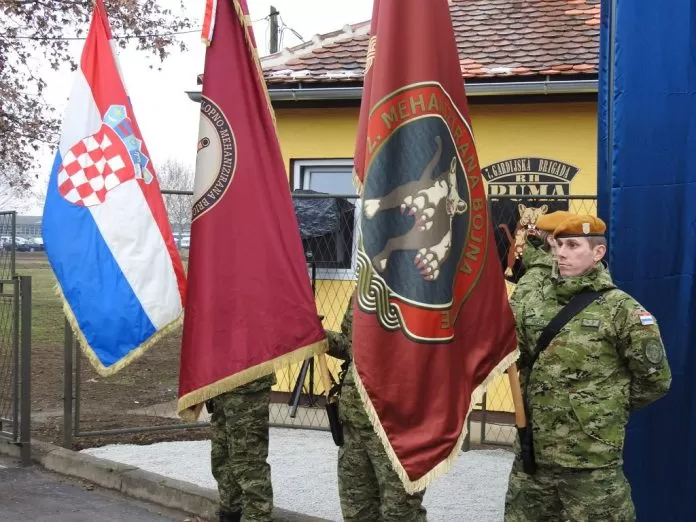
(565, 132)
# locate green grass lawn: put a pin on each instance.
(48, 320)
(151, 378)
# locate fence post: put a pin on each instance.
(484, 411)
(68, 350)
(78, 387)
(466, 445)
(16, 354)
(13, 234)
(25, 426)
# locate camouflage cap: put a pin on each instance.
(549, 222)
(580, 226)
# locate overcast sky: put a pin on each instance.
(167, 118)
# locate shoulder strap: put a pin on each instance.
(576, 305)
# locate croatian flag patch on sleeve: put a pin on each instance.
(646, 319)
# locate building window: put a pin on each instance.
(328, 225)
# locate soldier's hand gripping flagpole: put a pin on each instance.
(523, 430)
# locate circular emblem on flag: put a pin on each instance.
(424, 219)
(216, 158)
(103, 161)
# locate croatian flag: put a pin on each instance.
(105, 226)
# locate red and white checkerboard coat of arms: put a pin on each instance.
(101, 162)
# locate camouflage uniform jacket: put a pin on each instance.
(538, 264)
(606, 362)
(340, 343)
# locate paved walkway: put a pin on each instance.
(32, 494)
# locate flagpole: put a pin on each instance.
(325, 376)
(520, 416)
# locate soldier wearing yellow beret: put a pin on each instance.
(572, 259)
(605, 363)
(549, 222)
(580, 226)
(538, 256)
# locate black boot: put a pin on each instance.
(229, 516)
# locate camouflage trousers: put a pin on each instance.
(239, 425)
(575, 495)
(368, 486)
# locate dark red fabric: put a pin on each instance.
(249, 295)
(421, 391)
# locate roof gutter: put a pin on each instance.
(472, 89)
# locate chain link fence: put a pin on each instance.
(142, 397)
(9, 354)
(15, 343)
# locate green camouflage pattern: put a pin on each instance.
(602, 365)
(561, 494)
(538, 264)
(239, 452)
(340, 342)
(369, 488)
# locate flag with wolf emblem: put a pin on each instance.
(432, 324)
(250, 308)
(105, 226)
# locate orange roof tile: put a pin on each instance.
(496, 38)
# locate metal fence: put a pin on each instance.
(15, 344)
(142, 397)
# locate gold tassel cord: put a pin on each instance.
(413, 486)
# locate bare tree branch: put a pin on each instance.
(174, 175)
(26, 122)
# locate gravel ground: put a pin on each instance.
(303, 464)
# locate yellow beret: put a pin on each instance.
(580, 226)
(549, 222)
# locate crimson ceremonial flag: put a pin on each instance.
(432, 324)
(250, 307)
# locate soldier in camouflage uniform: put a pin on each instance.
(606, 362)
(368, 486)
(239, 451)
(537, 257)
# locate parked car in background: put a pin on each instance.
(30, 246)
(22, 244)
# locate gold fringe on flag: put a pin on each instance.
(189, 406)
(106, 371)
(413, 486)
